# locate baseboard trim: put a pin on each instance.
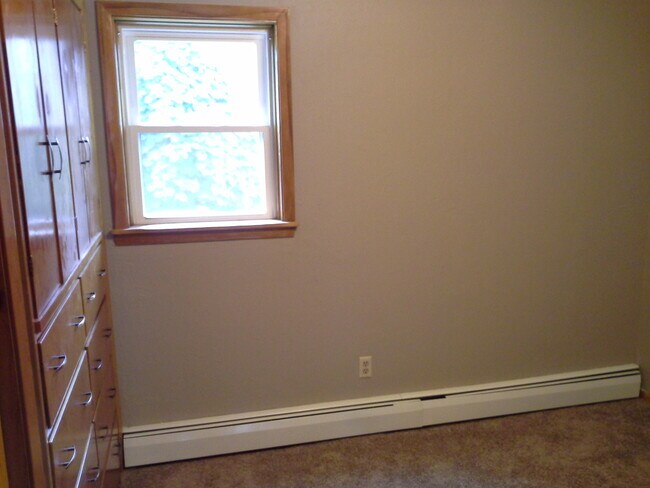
(158, 443)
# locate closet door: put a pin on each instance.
(69, 21)
(37, 156)
(55, 122)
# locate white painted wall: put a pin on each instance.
(472, 180)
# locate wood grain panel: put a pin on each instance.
(60, 347)
(99, 351)
(33, 151)
(69, 439)
(4, 481)
(94, 283)
(20, 382)
(91, 169)
(90, 470)
(69, 24)
(55, 122)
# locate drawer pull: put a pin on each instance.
(88, 394)
(91, 296)
(98, 364)
(81, 321)
(73, 450)
(62, 359)
(112, 393)
(93, 475)
(108, 333)
(101, 273)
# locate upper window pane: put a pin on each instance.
(215, 80)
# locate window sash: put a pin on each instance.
(135, 181)
(129, 34)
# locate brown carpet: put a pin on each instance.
(596, 446)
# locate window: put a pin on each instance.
(197, 109)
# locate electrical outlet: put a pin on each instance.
(365, 366)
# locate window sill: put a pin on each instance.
(202, 232)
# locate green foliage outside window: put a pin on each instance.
(193, 173)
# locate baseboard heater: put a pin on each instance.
(174, 441)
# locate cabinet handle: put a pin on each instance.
(49, 145)
(94, 475)
(108, 333)
(91, 296)
(112, 393)
(90, 149)
(85, 158)
(73, 450)
(101, 273)
(88, 394)
(62, 358)
(58, 146)
(99, 363)
(81, 321)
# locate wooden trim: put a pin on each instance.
(108, 12)
(645, 395)
(113, 128)
(21, 402)
(150, 10)
(288, 210)
(177, 233)
(4, 481)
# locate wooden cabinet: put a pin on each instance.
(52, 172)
(35, 151)
(47, 71)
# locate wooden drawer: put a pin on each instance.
(90, 475)
(94, 283)
(100, 347)
(106, 416)
(69, 438)
(114, 462)
(60, 347)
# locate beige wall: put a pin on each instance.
(471, 184)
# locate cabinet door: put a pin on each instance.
(91, 169)
(33, 150)
(55, 124)
(68, 33)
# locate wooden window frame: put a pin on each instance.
(109, 13)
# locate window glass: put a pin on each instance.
(202, 174)
(197, 122)
(198, 82)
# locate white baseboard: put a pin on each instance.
(175, 441)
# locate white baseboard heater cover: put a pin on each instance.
(197, 438)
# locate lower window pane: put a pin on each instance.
(207, 174)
